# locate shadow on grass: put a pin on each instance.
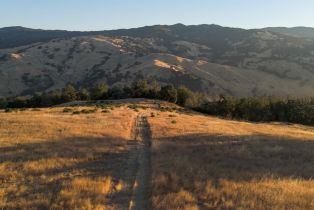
(193, 158)
(241, 157)
(190, 162)
(93, 158)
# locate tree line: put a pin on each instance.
(262, 109)
(101, 91)
(257, 109)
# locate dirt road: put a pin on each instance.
(142, 183)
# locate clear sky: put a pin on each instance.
(113, 14)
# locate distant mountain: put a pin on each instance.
(302, 32)
(19, 36)
(206, 58)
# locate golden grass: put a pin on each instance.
(56, 160)
(51, 159)
(203, 162)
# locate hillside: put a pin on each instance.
(303, 32)
(151, 155)
(206, 58)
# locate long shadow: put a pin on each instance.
(190, 162)
(97, 158)
(197, 156)
(237, 158)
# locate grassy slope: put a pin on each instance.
(59, 160)
(51, 159)
(208, 163)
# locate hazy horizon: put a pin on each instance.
(81, 15)
(156, 25)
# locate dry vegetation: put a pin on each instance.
(51, 159)
(208, 163)
(60, 160)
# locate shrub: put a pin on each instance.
(152, 114)
(134, 107)
(173, 121)
(36, 110)
(67, 110)
(8, 110)
(76, 112)
(88, 111)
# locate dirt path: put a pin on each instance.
(142, 182)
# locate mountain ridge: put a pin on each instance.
(207, 58)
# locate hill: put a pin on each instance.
(303, 32)
(152, 155)
(207, 58)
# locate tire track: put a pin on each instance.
(142, 184)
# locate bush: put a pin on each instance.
(8, 110)
(134, 107)
(152, 114)
(90, 111)
(36, 110)
(173, 121)
(76, 112)
(67, 110)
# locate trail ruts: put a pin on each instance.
(142, 184)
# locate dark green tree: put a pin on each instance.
(18, 102)
(99, 91)
(139, 89)
(36, 100)
(84, 94)
(168, 93)
(69, 93)
(3, 103)
(183, 94)
(116, 92)
(153, 90)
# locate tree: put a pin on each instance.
(18, 102)
(84, 94)
(36, 100)
(183, 94)
(116, 93)
(3, 103)
(153, 90)
(139, 89)
(69, 94)
(168, 93)
(99, 91)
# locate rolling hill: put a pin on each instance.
(206, 58)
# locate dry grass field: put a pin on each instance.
(202, 162)
(55, 160)
(51, 159)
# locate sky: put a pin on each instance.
(88, 15)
